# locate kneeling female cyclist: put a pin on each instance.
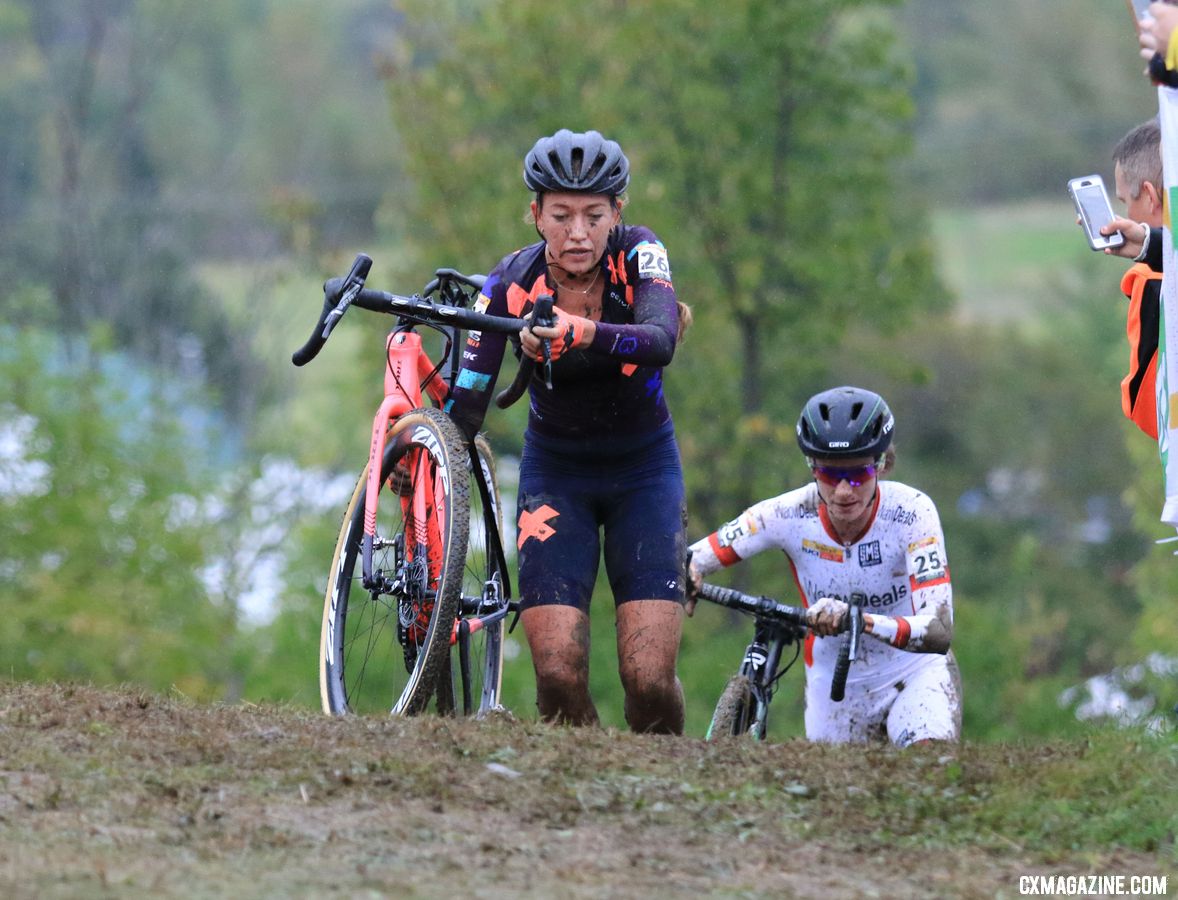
(845, 532)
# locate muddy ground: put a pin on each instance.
(121, 793)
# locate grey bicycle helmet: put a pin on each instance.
(845, 422)
(571, 161)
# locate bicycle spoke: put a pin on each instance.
(385, 652)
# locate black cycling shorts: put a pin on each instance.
(571, 492)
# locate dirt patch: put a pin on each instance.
(122, 793)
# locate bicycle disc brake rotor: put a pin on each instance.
(414, 608)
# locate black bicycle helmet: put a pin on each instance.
(845, 422)
(569, 161)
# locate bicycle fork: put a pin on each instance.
(761, 660)
(408, 368)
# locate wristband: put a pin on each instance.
(1140, 257)
(893, 631)
(884, 628)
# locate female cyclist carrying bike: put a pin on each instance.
(850, 533)
(599, 452)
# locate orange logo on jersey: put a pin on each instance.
(923, 542)
(535, 525)
(822, 551)
(518, 298)
(617, 271)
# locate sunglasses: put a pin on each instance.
(833, 475)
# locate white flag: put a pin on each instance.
(1167, 374)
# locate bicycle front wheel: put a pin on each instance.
(384, 645)
(476, 652)
(736, 710)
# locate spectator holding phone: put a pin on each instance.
(1153, 35)
(1138, 175)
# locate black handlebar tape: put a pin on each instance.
(849, 649)
(541, 315)
(515, 390)
(842, 668)
(333, 294)
(761, 606)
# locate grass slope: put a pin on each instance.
(121, 793)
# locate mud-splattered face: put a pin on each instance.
(576, 228)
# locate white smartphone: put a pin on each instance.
(1094, 210)
(1139, 8)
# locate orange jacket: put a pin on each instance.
(1143, 286)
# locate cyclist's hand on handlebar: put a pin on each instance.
(568, 333)
(828, 616)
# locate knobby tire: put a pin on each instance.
(384, 652)
(735, 710)
(479, 693)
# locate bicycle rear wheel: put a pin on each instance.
(736, 710)
(476, 651)
(383, 648)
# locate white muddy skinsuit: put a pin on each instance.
(905, 682)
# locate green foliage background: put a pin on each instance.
(849, 191)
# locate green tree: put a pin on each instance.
(1016, 97)
(1014, 429)
(102, 540)
(143, 136)
(1154, 578)
(763, 138)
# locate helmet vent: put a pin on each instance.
(568, 161)
(845, 422)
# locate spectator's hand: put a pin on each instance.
(1134, 234)
(569, 333)
(1154, 30)
(828, 617)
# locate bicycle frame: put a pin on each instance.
(422, 459)
(408, 367)
(762, 658)
(743, 708)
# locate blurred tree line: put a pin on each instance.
(176, 179)
(1013, 96)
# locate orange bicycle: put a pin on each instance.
(419, 590)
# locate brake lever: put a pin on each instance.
(542, 315)
(353, 284)
(858, 598)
